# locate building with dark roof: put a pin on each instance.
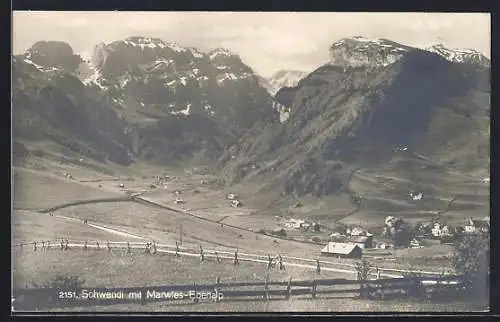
(362, 241)
(342, 250)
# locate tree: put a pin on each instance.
(363, 269)
(471, 260)
(401, 237)
(386, 232)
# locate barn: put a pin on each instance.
(342, 250)
(362, 241)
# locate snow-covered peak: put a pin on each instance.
(220, 52)
(196, 53)
(361, 51)
(364, 42)
(459, 55)
(153, 43)
(364, 39)
(284, 78)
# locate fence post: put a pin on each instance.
(202, 256)
(362, 289)
(313, 289)
(34, 246)
(176, 249)
(128, 247)
(236, 262)
(85, 245)
(66, 246)
(97, 243)
(195, 300)
(143, 296)
(289, 289)
(281, 266)
(154, 247)
(108, 245)
(266, 287)
(216, 288)
(318, 268)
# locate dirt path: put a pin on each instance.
(140, 200)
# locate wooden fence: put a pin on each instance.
(331, 264)
(416, 287)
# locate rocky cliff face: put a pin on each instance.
(143, 89)
(462, 56)
(180, 81)
(284, 78)
(373, 97)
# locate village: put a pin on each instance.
(345, 241)
(208, 222)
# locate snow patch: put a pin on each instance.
(196, 53)
(29, 61)
(226, 76)
(175, 47)
(186, 111)
(220, 52)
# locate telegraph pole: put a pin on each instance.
(180, 233)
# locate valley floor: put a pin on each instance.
(204, 219)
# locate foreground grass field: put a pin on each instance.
(164, 225)
(38, 190)
(292, 305)
(119, 269)
(28, 226)
(42, 189)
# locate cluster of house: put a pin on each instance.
(477, 225)
(302, 224)
(439, 230)
(349, 244)
(158, 180)
(233, 200)
(352, 242)
(68, 175)
(415, 196)
(178, 199)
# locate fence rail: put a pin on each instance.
(30, 299)
(222, 254)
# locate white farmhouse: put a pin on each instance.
(476, 226)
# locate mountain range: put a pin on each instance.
(146, 99)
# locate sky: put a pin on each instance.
(266, 41)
